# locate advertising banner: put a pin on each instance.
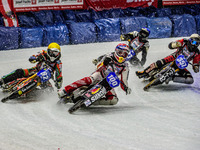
(99, 5)
(37, 5)
(180, 2)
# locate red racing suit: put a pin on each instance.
(190, 54)
(121, 70)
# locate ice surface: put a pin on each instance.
(165, 118)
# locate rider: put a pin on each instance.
(138, 42)
(189, 48)
(116, 58)
(51, 56)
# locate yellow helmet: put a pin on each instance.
(54, 45)
(54, 52)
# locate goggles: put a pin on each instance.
(194, 42)
(53, 52)
(121, 53)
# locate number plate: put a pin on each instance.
(181, 62)
(113, 80)
(44, 74)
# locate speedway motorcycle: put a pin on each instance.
(85, 96)
(168, 71)
(25, 86)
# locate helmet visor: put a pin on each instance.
(122, 53)
(194, 42)
(53, 52)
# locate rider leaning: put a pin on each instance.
(187, 47)
(117, 58)
(138, 41)
(51, 56)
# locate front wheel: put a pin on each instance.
(152, 83)
(79, 104)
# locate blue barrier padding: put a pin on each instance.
(129, 12)
(69, 15)
(27, 21)
(82, 32)
(131, 24)
(150, 11)
(83, 16)
(197, 18)
(31, 37)
(183, 25)
(160, 27)
(108, 29)
(57, 33)
(116, 13)
(43, 17)
(164, 12)
(104, 14)
(9, 38)
(58, 17)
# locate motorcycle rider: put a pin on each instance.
(117, 58)
(187, 47)
(137, 41)
(51, 56)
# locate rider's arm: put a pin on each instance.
(124, 80)
(58, 75)
(129, 36)
(176, 44)
(196, 63)
(37, 58)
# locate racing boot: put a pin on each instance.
(1, 83)
(142, 74)
(64, 97)
(104, 101)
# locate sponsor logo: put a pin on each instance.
(28, 87)
(167, 75)
(98, 95)
(95, 90)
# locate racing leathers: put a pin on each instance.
(42, 59)
(137, 44)
(121, 69)
(183, 46)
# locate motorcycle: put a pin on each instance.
(86, 96)
(24, 86)
(168, 71)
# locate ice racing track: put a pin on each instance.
(165, 118)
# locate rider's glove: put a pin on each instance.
(107, 60)
(128, 90)
(196, 68)
(58, 85)
(122, 37)
(40, 58)
(95, 61)
(33, 59)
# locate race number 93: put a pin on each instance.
(113, 80)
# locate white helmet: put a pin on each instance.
(54, 52)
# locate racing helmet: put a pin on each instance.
(194, 41)
(53, 52)
(121, 52)
(144, 33)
